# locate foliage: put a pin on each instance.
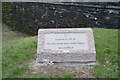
(7, 15)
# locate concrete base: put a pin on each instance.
(69, 64)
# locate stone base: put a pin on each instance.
(66, 46)
(67, 58)
(69, 64)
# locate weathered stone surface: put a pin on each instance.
(66, 45)
(60, 0)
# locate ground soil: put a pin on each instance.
(77, 71)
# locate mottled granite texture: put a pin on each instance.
(29, 17)
(66, 55)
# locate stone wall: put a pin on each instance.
(28, 17)
(61, 0)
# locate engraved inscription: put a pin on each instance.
(66, 41)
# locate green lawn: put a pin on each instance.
(106, 43)
(0, 52)
(18, 48)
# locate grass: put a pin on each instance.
(11, 37)
(67, 75)
(106, 43)
(18, 48)
(0, 52)
(58, 75)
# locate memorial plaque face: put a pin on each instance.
(66, 41)
(66, 45)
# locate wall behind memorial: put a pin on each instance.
(28, 17)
